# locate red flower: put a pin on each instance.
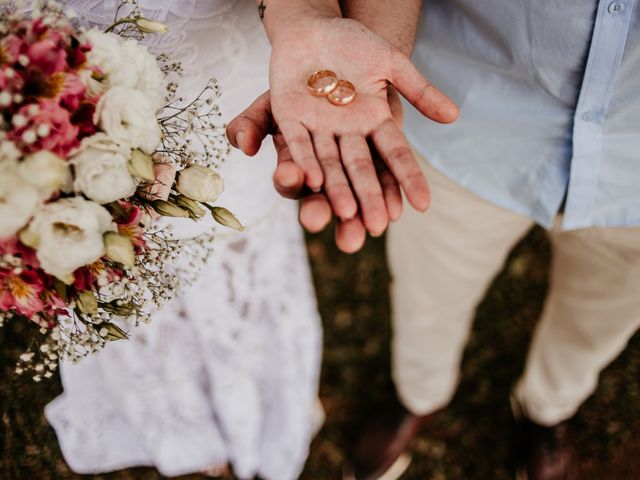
(83, 118)
(21, 292)
(77, 55)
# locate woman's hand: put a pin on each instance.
(251, 127)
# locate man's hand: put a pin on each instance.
(331, 143)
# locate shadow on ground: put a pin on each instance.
(472, 439)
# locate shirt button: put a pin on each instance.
(616, 8)
(593, 116)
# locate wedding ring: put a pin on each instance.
(322, 82)
(343, 94)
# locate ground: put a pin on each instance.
(472, 439)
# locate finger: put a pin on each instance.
(315, 212)
(430, 101)
(356, 159)
(396, 153)
(350, 235)
(288, 179)
(390, 190)
(247, 130)
(336, 184)
(301, 148)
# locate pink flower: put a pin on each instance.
(13, 246)
(48, 55)
(53, 305)
(45, 126)
(11, 47)
(35, 29)
(73, 92)
(86, 278)
(21, 292)
(130, 226)
(10, 80)
(47, 48)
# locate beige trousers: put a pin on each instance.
(443, 261)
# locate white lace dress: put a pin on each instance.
(227, 373)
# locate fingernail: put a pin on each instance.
(316, 189)
(240, 138)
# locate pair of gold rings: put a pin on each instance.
(325, 83)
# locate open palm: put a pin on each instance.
(331, 143)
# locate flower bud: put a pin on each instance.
(226, 218)
(169, 209)
(113, 332)
(150, 26)
(115, 309)
(141, 165)
(87, 302)
(119, 248)
(200, 183)
(193, 207)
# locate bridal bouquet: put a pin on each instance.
(94, 148)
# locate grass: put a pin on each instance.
(472, 439)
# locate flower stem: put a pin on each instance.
(119, 22)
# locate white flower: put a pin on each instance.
(96, 86)
(101, 171)
(150, 79)
(9, 153)
(128, 117)
(69, 235)
(126, 63)
(45, 171)
(200, 183)
(18, 202)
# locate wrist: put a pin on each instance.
(280, 16)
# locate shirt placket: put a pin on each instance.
(605, 56)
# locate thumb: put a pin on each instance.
(248, 129)
(430, 101)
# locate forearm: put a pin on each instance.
(394, 20)
(279, 14)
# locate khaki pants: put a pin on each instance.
(442, 263)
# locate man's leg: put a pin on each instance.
(592, 310)
(442, 263)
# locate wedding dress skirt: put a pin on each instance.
(228, 372)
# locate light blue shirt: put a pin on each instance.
(549, 95)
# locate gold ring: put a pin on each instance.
(343, 94)
(322, 82)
